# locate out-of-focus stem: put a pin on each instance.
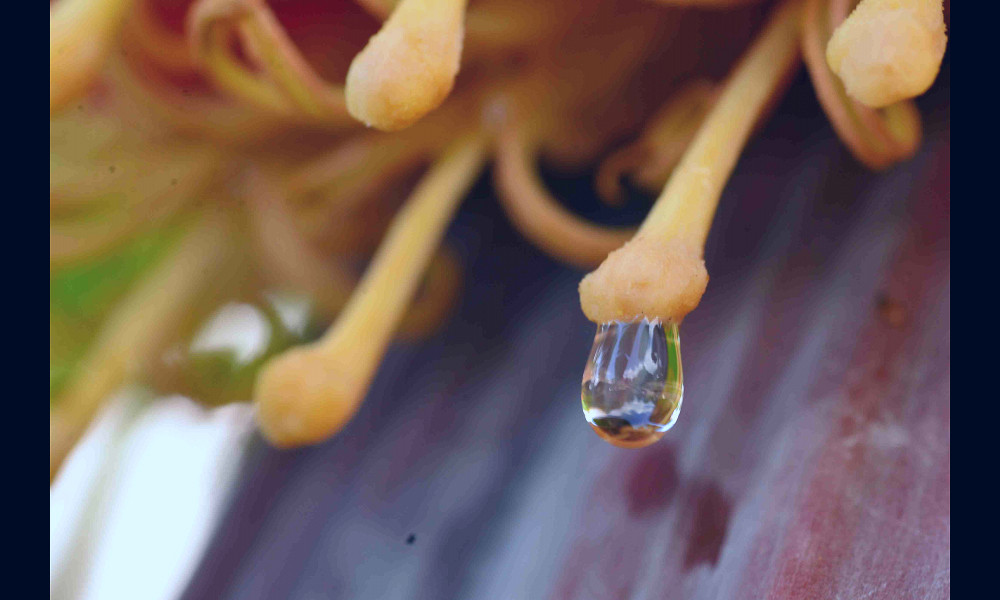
(81, 33)
(285, 255)
(284, 83)
(144, 321)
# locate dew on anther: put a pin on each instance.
(633, 384)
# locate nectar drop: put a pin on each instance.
(633, 385)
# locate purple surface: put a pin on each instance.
(811, 459)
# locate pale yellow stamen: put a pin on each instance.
(661, 273)
(310, 392)
(408, 68)
(888, 50)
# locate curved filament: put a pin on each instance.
(145, 32)
(284, 82)
(196, 114)
(650, 159)
(539, 216)
(877, 138)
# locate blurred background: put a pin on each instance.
(811, 458)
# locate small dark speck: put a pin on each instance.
(173, 182)
(111, 169)
(411, 538)
(891, 310)
(186, 92)
(79, 107)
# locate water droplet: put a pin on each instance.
(633, 385)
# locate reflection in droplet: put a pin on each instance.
(633, 384)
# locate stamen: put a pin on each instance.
(408, 68)
(307, 394)
(632, 388)
(878, 139)
(887, 51)
(660, 274)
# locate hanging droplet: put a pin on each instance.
(633, 385)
